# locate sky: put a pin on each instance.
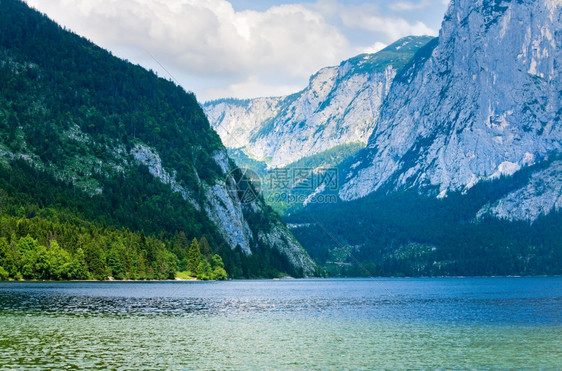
(243, 48)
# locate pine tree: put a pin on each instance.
(193, 257)
(205, 248)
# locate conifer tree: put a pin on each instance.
(205, 248)
(193, 257)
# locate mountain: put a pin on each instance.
(462, 173)
(111, 145)
(480, 103)
(340, 106)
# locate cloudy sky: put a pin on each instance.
(243, 48)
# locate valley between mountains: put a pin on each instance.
(447, 149)
(435, 156)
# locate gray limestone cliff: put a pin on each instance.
(482, 101)
(339, 106)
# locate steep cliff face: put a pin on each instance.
(340, 106)
(481, 102)
(541, 195)
(237, 120)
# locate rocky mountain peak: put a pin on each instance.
(482, 102)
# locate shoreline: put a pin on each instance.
(194, 279)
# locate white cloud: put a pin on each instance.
(367, 17)
(212, 49)
(207, 38)
(410, 5)
(374, 48)
(252, 87)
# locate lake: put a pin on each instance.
(327, 324)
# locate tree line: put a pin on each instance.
(44, 247)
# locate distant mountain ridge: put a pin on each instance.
(340, 106)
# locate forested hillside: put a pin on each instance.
(107, 162)
(407, 234)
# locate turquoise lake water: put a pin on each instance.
(332, 324)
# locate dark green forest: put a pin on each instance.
(82, 197)
(407, 234)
